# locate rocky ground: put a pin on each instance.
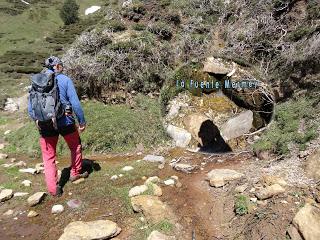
(205, 196)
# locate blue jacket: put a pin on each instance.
(68, 96)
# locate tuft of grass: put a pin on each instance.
(143, 230)
(285, 127)
(241, 206)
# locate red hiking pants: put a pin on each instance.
(48, 148)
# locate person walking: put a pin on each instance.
(52, 102)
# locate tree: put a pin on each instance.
(69, 12)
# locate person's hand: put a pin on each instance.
(82, 127)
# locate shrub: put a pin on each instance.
(139, 27)
(161, 29)
(115, 25)
(241, 206)
(286, 126)
(69, 12)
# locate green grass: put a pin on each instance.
(284, 128)
(163, 226)
(109, 128)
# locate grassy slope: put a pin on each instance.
(110, 128)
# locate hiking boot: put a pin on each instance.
(59, 191)
(82, 175)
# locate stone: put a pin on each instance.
(36, 198)
(11, 105)
(78, 181)
(154, 158)
(153, 179)
(39, 167)
(175, 177)
(8, 213)
(1, 146)
(270, 180)
(307, 222)
(74, 203)
(180, 136)
(32, 214)
(7, 132)
(99, 229)
(20, 194)
(312, 165)
(169, 182)
(193, 123)
(3, 156)
(127, 168)
(20, 164)
(293, 233)
(216, 66)
(237, 126)
(57, 209)
(26, 183)
(241, 188)
(137, 190)
(6, 194)
(114, 177)
(28, 170)
(270, 191)
(219, 177)
(157, 191)
(152, 208)
(155, 235)
(186, 168)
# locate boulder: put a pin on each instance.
(181, 136)
(216, 66)
(157, 191)
(154, 158)
(270, 191)
(6, 194)
(169, 182)
(307, 221)
(137, 190)
(152, 208)
(294, 233)
(237, 126)
(155, 235)
(219, 177)
(36, 198)
(99, 229)
(312, 165)
(153, 179)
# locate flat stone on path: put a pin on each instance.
(186, 168)
(74, 203)
(270, 191)
(6, 194)
(137, 190)
(155, 235)
(8, 213)
(28, 170)
(32, 214)
(169, 182)
(99, 229)
(219, 177)
(26, 183)
(36, 198)
(307, 221)
(20, 194)
(152, 208)
(154, 158)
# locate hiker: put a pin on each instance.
(51, 104)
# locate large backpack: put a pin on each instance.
(44, 98)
